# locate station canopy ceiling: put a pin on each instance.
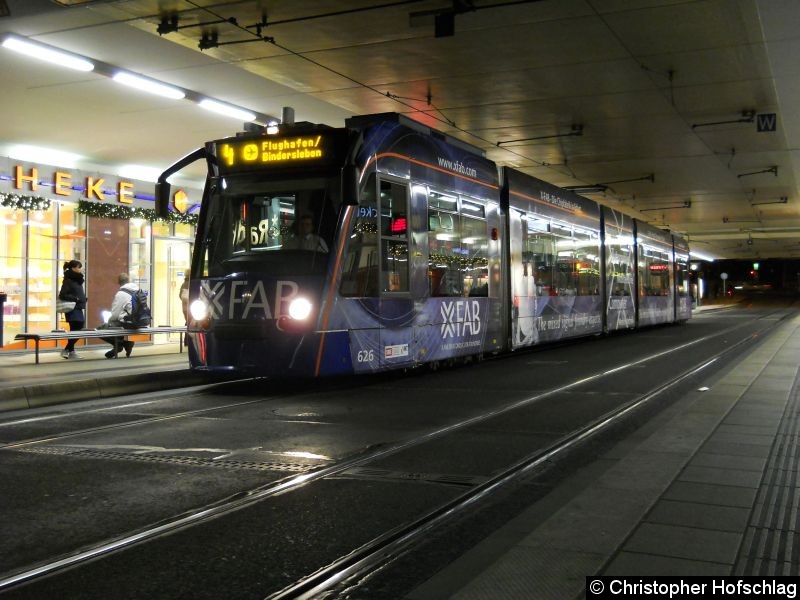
(682, 113)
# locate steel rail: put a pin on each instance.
(245, 498)
(372, 556)
(99, 428)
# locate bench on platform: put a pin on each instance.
(99, 333)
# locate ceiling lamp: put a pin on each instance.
(139, 82)
(700, 256)
(227, 110)
(47, 53)
(139, 172)
(148, 85)
(47, 156)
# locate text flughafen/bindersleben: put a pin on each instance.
(676, 587)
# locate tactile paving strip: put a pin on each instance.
(769, 546)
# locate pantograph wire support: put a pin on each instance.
(577, 130)
(773, 170)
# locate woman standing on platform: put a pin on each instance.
(72, 290)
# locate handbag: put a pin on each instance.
(64, 306)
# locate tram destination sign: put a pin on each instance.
(308, 149)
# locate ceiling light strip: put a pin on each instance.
(150, 86)
(47, 53)
(227, 110)
(74, 61)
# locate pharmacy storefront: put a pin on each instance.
(49, 215)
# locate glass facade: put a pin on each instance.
(34, 244)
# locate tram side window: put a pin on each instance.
(539, 257)
(620, 265)
(587, 263)
(394, 220)
(565, 276)
(682, 275)
(360, 273)
(475, 248)
(444, 245)
(654, 266)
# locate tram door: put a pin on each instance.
(171, 262)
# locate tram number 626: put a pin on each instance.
(365, 356)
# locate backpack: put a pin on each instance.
(140, 312)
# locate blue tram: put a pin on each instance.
(386, 244)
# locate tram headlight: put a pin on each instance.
(199, 310)
(299, 309)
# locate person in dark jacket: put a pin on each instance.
(72, 290)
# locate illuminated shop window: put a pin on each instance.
(71, 246)
(42, 270)
(161, 228)
(139, 239)
(12, 274)
(184, 230)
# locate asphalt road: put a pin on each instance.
(98, 471)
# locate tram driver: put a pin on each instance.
(305, 238)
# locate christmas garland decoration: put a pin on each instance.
(365, 227)
(18, 202)
(94, 209)
(458, 262)
(117, 211)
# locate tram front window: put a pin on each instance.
(287, 230)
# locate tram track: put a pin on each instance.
(349, 571)
(359, 563)
(168, 396)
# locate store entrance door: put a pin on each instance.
(172, 259)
